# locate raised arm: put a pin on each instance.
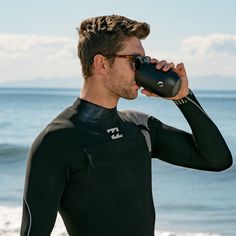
(204, 149)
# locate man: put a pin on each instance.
(93, 163)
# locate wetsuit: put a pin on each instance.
(93, 165)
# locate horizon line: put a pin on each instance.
(79, 88)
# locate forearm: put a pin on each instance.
(204, 149)
(209, 142)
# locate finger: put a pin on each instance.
(179, 66)
(154, 61)
(168, 66)
(161, 64)
(148, 93)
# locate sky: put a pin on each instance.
(38, 39)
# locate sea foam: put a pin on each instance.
(10, 220)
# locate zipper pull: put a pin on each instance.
(90, 160)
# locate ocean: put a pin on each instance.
(187, 202)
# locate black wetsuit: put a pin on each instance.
(93, 165)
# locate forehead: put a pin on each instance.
(133, 46)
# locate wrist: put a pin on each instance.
(184, 99)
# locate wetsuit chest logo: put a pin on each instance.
(115, 133)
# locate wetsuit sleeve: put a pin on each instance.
(44, 184)
(204, 149)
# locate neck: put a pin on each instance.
(96, 93)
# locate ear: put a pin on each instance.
(100, 64)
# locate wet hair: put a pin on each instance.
(106, 35)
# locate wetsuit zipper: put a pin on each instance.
(90, 161)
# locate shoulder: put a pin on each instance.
(139, 118)
(56, 133)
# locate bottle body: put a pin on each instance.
(164, 84)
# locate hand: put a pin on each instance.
(180, 70)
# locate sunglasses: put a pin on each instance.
(136, 60)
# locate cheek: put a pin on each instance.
(127, 71)
(122, 75)
(124, 67)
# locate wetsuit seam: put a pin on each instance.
(147, 137)
(178, 103)
(189, 99)
(30, 216)
(142, 125)
(197, 106)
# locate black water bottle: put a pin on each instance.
(164, 84)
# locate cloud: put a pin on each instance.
(208, 55)
(211, 45)
(26, 57)
(23, 57)
(211, 55)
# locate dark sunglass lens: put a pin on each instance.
(146, 59)
(138, 61)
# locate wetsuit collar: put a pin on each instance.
(93, 112)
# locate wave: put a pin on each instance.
(11, 153)
(10, 218)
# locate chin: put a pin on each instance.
(129, 97)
